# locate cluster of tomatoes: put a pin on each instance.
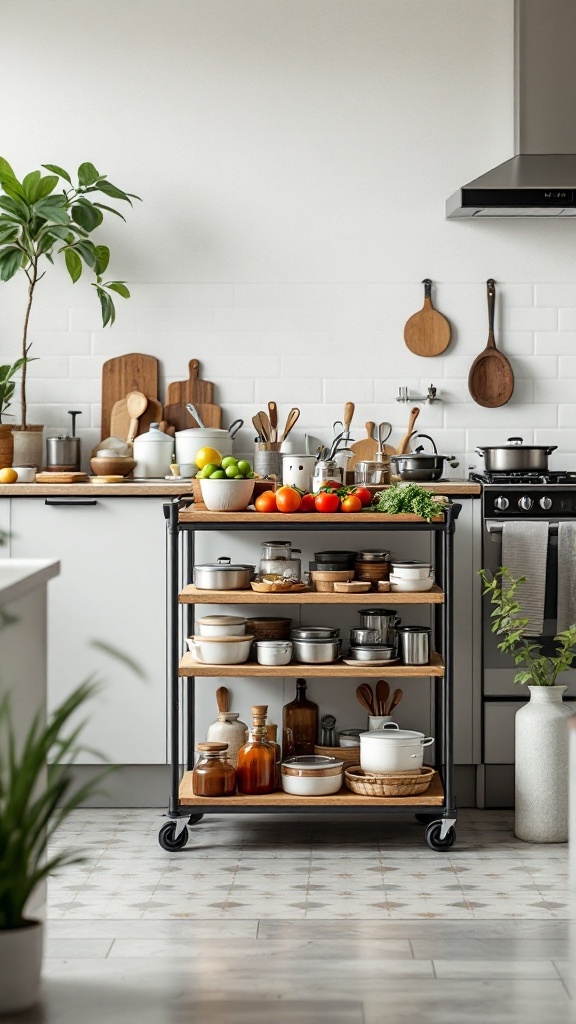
(331, 498)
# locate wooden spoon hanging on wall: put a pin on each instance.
(491, 378)
(403, 446)
(427, 333)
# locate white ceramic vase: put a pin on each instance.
(20, 967)
(229, 729)
(541, 777)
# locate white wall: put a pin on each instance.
(294, 157)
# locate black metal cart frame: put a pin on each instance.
(180, 550)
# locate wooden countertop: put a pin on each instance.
(133, 489)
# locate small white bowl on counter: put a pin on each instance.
(26, 474)
(223, 650)
(227, 495)
(273, 652)
(312, 775)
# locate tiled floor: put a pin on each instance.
(325, 921)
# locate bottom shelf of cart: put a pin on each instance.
(434, 797)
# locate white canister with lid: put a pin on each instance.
(153, 453)
(189, 442)
(393, 750)
(298, 471)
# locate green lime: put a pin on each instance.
(231, 472)
(218, 474)
(208, 470)
(229, 461)
(244, 467)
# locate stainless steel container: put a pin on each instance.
(222, 575)
(415, 644)
(63, 452)
(516, 457)
(374, 652)
(420, 467)
(315, 633)
(385, 620)
(317, 652)
(364, 636)
(375, 472)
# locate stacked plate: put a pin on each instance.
(411, 577)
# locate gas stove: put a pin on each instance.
(552, 478)
(531, 495)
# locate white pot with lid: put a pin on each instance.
(188, 442)
(153, 453)
(391, 749)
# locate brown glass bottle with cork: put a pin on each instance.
(299, 724)
(256, 772)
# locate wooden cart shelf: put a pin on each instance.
(190, 667)
(191, 595)
(434, 797)
(198, 513)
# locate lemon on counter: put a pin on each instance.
(8, 475)
(205, 456)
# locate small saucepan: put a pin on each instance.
(421, 465)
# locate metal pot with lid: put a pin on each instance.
(516, 457)
(421, 465)
(223, 575)
(384, 620)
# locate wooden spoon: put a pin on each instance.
(491, 378)
(273, 417)
(427, 333)
(266, 428)
(366, 697)
(223, 699)
(403, 446)
(136, 404)
(290, 422)
(382, 694)
(348, 414)
(396, 698)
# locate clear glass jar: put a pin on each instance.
(325, 471)
(278, 559)
(256, 772)
(213, 774)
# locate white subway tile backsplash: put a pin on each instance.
(336, 390)
(510, 417)
(555, 390)
(567, 368)
(66, 391)
(48, 366)
(556, 294)
(554, 343)
(288, 389)
(567, 319)
(535, 367)
(192, 294)
(567, 415)
(175, 318)
(544, 319)
(57, 343)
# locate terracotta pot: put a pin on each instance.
(20, 966)
(6, 444)
(28, 446)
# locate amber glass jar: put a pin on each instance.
(213, 775)
(256, 772)
(299, 724)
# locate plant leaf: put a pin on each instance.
(73, 263)
(87, 251)
(59, 171)
(30, 184)
(87, 174)
(45, 186)
(10, 262)
(118, 286)
(5, 168)
(102, 206)
(85, 215)
(116, 193)
(102, 258)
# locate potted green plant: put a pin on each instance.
(35, 798)
(7, 385)
(38, 224)
(541, 733)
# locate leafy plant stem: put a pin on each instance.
(33, 279)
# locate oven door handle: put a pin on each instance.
(496, 527)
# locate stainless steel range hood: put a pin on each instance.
(540, 181)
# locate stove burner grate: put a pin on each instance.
(522, 477)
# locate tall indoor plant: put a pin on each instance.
(541, 755)
(38, 224)
(34, 801)
(7, 386)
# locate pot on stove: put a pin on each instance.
(516, 457)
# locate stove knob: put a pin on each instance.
(546, 503)
(501, 503)
(525, 503)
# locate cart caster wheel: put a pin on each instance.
(424, 819)
(195, 818)
(433, 837)
(167, 840)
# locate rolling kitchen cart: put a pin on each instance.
(435, 808)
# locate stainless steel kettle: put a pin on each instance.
(63, 452)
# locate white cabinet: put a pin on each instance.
(110, 590)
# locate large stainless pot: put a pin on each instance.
(384, 620)
(222, 575)
(516, 457)
(317, 652)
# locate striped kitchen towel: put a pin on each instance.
(566, 575)
(524, 553)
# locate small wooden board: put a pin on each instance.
(427, 333)
(120, 418)
(131, 372)
(60, 477)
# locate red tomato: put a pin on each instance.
(333, 485)
(288, 499)
(307, 504)
(327, 502)
(351, 503)
(364, 494)
(266, 502)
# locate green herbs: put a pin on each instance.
(412, 498)
(507, 621)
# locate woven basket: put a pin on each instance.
(388, 783)
(269, 628)
(6, 445)
(279, 588)
(349, 755)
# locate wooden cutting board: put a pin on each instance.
(132, 372)
(178, 416)
(120, 418)
(61, 477)
(199, 392)
(427, 333)
(363, 450)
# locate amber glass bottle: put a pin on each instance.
(213, 774)
(299, 724)
(256, 772)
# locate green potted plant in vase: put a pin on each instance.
(39, 224)
(7, 386)
(35, 798)
(541, 731)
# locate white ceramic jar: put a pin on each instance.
(393, 750)
(298, 471)
(228, 729)
(188, 443)
(542, 769)
(153, 453)
(222, 625)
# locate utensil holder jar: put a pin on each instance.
(268, 460)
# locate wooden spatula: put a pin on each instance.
(404, 443)
(223, 699)
(382, 694)
(427, 333)
(396, 698)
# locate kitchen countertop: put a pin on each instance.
(143, 489)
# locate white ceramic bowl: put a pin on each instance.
(220, 650)
(420, 571)
(227, 495)
(316, 775)
(410, 586)
(273, 652)
(222, 625)
(26, 474)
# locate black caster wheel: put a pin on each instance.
(433, 837)
(424, 819)
(167, 840)
(195, 818)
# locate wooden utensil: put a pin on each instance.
(136, 404)
(382, 694)
(273, 417)
(365, 450)
(199, 392)
(120, 418)
(266, 428)
(366, 697)
(348, 414)
(427, 333)
(223, 699)
(396, 698)
(491, 378)
(404, 443)
(291, 420)
(132, 372)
